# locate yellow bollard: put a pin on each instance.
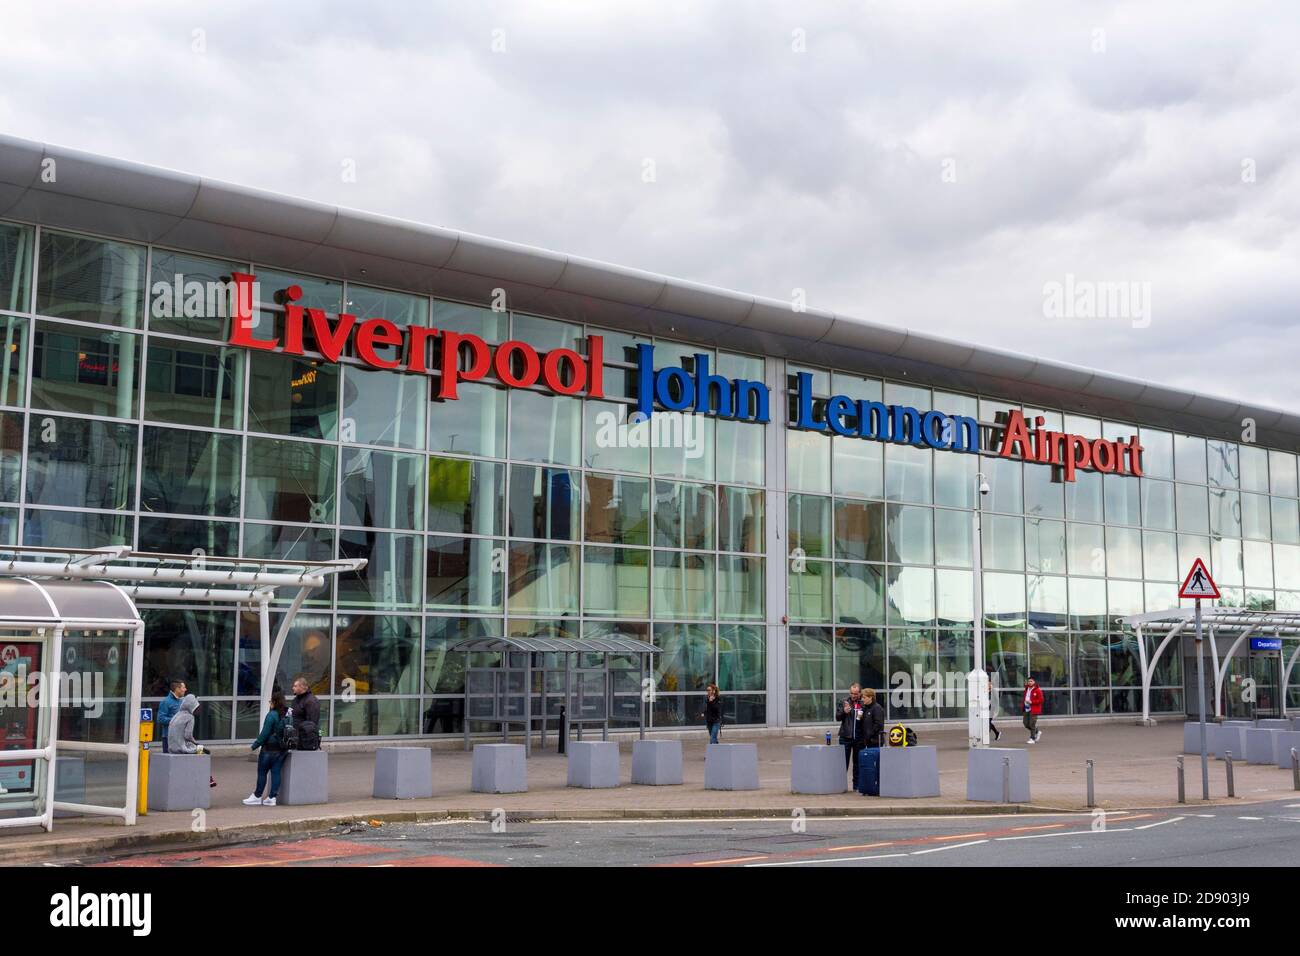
(146, 738)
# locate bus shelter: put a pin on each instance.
(554, 673)
(1236, 624)
(71, 662)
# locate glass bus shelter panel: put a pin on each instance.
(95, 680)
(24, 722)
(1265, 670)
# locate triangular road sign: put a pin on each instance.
(1198, 583)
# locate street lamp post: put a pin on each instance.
(977, 682)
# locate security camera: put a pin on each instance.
(984, 487)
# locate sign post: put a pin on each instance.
(1198, 585)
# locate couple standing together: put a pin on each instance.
(862, 723)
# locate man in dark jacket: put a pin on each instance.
(852, 730)
(306, 715)
(873, 719)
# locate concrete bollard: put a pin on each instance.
(1092, 801)
(1227, 763)
(1182, 781)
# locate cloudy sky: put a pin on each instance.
(928, 164)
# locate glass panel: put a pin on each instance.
(808, 461)
(15, 266)
(545, 503)
(1158, 504)
(376, 654)
(740, 452)
(1192, 508)
(197, 647)
(178, 536)
(81, 463)
(383, 408)
(11, 456)
(684, 585)
(1049, 659)
(1254, 468)
(686, 658)
(1157, 453)
(611, 441)
(910, 535)
(1004, 478)
(88, 371)
(543, 579)
(953, 537)
(1124, 552)
(954, 479)
(860, 658)
(371, 717)
(90, 280)
(289, 481)
(742, 657)
(1256, 511)
(13, 360)
(381, 489)
(908, 473)
(683, 515)
(190, 472)
(1045, 546)
(1224, 465)
(400, 308)
(617, 509)
(545, 427)
(1083, 497)
(616, 582)
(809, 526)
(1002, 542)
(859, 529)
(1281, 473)
(687, 456)
(546, 334)
(1044, 496)
(859, 466)
(465, 497)
(1160, 556)
(1087, 549)
(464, 573)
(740, 520)
(1189, 459)
(740, 587)
(292, 396)
(487, 324)
(189, 295)
(317, 293)
(1123, 499)
(1286, 521)
(444, 670)
(860, 594)
(809, 590)
(1225, 512)
(76, 529)
(810, 660)
(474, 424)
(194, 384)
(1087, 604)
(391, 577)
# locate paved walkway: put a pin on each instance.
(1135, 768)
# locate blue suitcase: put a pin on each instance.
(869, 772)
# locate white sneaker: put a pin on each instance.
(1032, 740)
(1038, 736)
(252, 800)
(269, 802)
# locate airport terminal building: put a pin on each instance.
(518, 442)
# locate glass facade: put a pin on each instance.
(125, 418)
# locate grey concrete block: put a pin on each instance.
(1283, 741)
(817, 769)
(1230, 737)
(909, 772)
(1274, 723)
(403, 773)
(731, 767)
(1259, 745)
(984, 774)
(1238, 722)
(593, 764)
(657, 763)
(499, 768)
(179, 781)
(1192, 736)
(306, 778)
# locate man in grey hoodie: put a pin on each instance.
(180, 732)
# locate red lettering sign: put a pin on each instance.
(1070, 452)
(464, 358)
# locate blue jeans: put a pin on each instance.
(273, 761)
(713, 732)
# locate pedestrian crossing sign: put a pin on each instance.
(1198, 583)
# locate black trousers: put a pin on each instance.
(851, 754)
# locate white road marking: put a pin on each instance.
(1040, 836)
(840, 859)
(1148, 826)
(1206, 816)
(1250, 818)
(955, 846)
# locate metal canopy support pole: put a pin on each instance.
(528, 704)
(1221, 668)
(1200, 704)
(640, 695)
(980, 739)
(609, 699)
(52, 764)
(264, 641)
(1286, 676)
(1149, 668)
(133, 723)
(464, 713)
(1214, 662)
(281, 635)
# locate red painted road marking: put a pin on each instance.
(305, 851)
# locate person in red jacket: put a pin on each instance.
(1033, 706)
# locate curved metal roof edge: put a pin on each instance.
(710, 303)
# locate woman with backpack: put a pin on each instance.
(271, 759)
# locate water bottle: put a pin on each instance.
(828, 738)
